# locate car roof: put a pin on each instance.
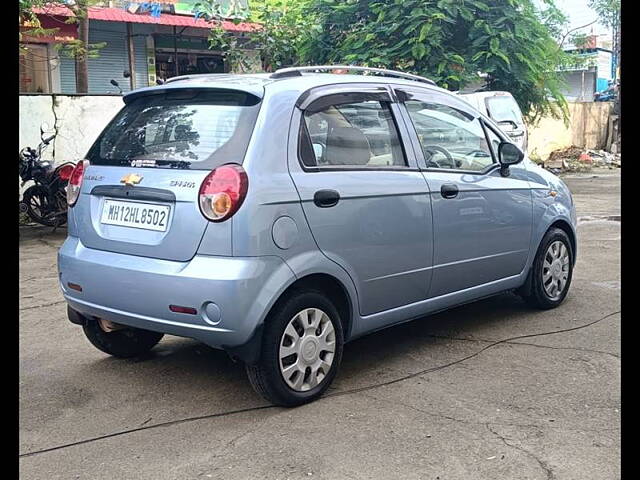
(257, 83)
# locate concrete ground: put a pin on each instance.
(544, 407)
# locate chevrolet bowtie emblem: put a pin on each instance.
(131, 179)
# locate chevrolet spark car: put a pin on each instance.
(279, 216)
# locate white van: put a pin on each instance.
(503, 109)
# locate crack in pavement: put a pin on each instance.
(334, 394)
(480, 423)
(37, 277)
(484, 340)
(544, 465)
(42, 305)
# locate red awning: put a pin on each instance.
(121, 15)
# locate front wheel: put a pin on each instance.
(301, 350)
(551, 271)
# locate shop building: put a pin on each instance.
(597, 69)
(140, 48)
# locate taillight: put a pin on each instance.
(65, 172)
(222, 192)
(75, 182)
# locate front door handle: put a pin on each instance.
(449, 190)
(326, 198)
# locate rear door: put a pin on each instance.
(482, 220)
(140, 194)
(362, 193)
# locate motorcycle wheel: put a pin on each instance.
(39, 207)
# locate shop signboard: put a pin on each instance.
(180, 7)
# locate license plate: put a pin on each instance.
(147, 216)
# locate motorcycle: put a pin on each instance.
(607, 95)
(45, 202)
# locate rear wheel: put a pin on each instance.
(41, 209)
(122, 343)
(551, 271)
(301, 350)
(36, 199)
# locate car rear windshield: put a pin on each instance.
(503, 108)
(186, 129)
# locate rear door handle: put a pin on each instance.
(326, 198)
(449, 190)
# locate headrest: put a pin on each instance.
(347, 146)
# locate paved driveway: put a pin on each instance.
(431, 399)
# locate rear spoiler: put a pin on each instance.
(251, 89)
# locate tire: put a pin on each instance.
(36, 198)
(538, 295)
(266, 376)
(126, 343)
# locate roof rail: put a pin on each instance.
(297, 71)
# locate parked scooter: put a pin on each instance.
(608, 95)
(46, 201)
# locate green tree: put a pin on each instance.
(278, 38)
(283, 26)
(450, 41)
(221, 40)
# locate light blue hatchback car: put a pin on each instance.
(278, 216)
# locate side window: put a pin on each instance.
(451, 139)
(360, 134)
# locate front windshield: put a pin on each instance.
(504, 108)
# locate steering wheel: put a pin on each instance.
(429, 152)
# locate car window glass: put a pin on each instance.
(359, 134)
(187, 130)
(503, 108)
(451, 139)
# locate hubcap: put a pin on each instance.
(307, 348)
(555, 270)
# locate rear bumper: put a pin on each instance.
(232, 295)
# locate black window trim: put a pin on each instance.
(384, 97)
(486, 127)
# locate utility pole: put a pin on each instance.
(82, 69)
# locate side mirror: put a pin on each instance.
(508, 123)
(508, 154)
(116, 84)
(44, 128)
